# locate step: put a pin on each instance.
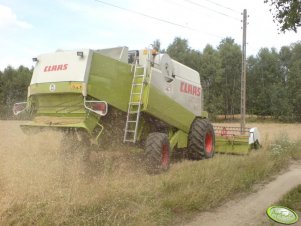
(130, 131)
(135, 103)
(131, 121)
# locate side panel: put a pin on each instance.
(163, 103)
(110, 80)
(167, 110)
(172, 101)
(185, 93)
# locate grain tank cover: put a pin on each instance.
(172, 68)
(164, 63)
(62, 66)
(186, 73)
(117, 53)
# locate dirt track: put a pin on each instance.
(251, 209)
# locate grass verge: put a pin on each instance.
(291, 200)
(117, 191)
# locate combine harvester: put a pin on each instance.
(140, 97)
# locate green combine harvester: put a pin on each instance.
(140, 97)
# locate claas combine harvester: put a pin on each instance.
(140, 97)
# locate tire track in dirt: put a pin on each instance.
(250, 210)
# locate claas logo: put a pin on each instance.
(190, 89)
(57, 67)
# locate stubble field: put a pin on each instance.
(38, 187)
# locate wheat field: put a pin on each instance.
(38, 188)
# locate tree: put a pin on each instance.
(294, 81)
(179, 50)
(287, 13)
(230, 55)
(268, 87)
(264, 80)
(13, 88)
(211, 78)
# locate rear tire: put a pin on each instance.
(201, 140)
(157, 152)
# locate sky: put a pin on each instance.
(32, 27)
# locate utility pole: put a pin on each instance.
(243, 75)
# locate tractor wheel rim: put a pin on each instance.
(209, 142)
(165, 156)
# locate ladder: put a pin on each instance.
(135, 103)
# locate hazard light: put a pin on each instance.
(98, 107)
(80, 54)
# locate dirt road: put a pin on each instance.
(251, 209)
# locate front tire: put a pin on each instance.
(157, 152)
(201, 140)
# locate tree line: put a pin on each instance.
(13, 88)
(273, 79)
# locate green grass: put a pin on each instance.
(117, 190)
(292, 199)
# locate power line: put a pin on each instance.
(154, 18)
(213, 10)
(222, 6)
(183, 5)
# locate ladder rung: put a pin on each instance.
(134, 105)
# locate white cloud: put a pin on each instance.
(8, 19)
